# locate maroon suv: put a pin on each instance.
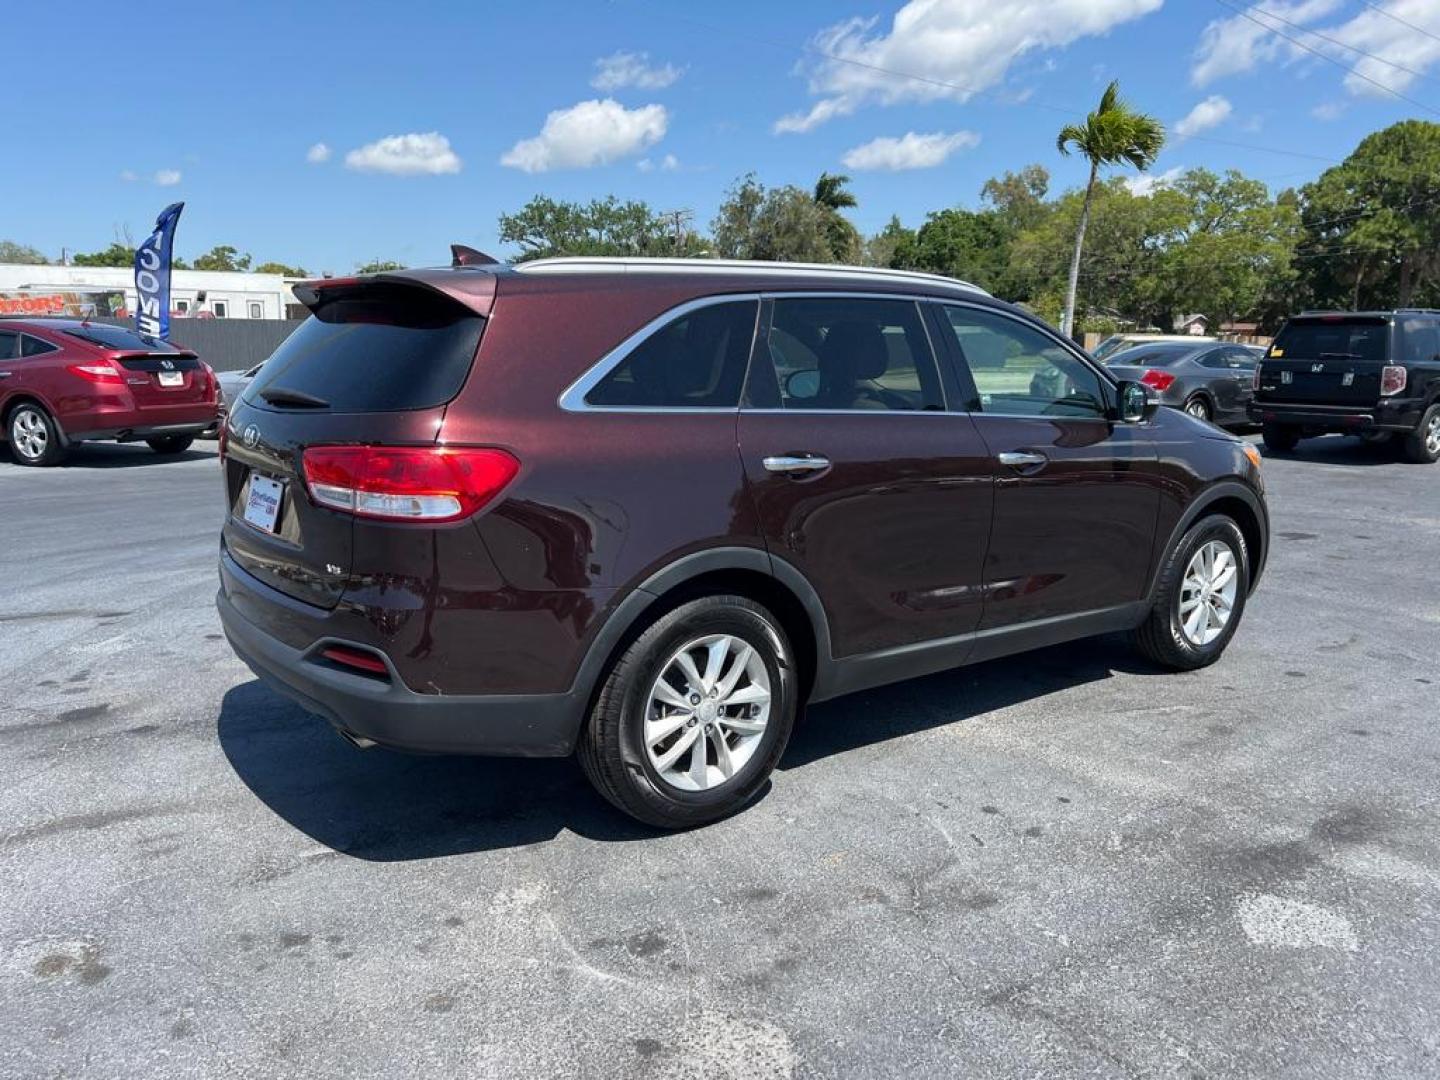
(645, 510)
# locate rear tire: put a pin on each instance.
(1422, 446)
(1199, 408)
(170, 444)
(627, 770)
(1280, 437)
(34, 438)
(1173, 635)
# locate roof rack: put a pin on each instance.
(601, 264)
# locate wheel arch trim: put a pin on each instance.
(1204, 501)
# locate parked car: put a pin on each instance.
(1210, 381)
(66, 381)
(1115, 342)
(1375, 374)
(645, 510)
(231, 385)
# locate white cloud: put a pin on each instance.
(623, 69)
(1234, 45)
(167, 177)
(416, 154)
(1204, 116)
(1328, 110)
(669, 163)
(590, 133)
(318, 154)
(129, 175)
(910, 151)
(957, 48)
(1148, 183)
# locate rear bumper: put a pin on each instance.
(386, 712)
(136, 434)
(1386, 415)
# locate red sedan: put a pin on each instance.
(64, 381)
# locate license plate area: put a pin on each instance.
(171, 378)
(262, 503)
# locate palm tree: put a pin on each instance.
(830, 192)
(1113, 134)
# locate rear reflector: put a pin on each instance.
(106, 373)
(1157, 380)
(1392, 380)
(407, 483)
(355, 658)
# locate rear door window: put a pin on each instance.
(1335, 339)
(380, 348)
(850, 354)
(697, 361)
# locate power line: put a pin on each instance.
(1327, 58)
(1402, 22)
(1340, 44)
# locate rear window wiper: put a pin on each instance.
(280, 395)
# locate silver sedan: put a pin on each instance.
(1207, 380)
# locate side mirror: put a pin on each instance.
(802, 385)
(1137, 404)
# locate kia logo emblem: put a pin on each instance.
(251, 435)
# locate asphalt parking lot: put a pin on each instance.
(1064, 864)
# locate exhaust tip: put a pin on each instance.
(357, 741)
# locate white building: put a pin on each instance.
(216, 294)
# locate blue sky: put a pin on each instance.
(437, 117)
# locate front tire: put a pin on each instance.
(170, 444)
(1199, 598)
(1422, 446)
(693, 717)
(34, 438)
(1280, 438)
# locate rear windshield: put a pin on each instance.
(382, 348)
(1140, 356)
(117, 337)
(1347, 339)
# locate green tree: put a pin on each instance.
(1372, 223)
(281, 269)
(1019, 197)
(222, 257)
(11, 252)
(546, 227)
(783, 224)
(958, 243)
(880, 249)
(119, 253)
(1114, 134)
(379, 266)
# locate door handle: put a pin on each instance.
(796, 463)
(1020, 459)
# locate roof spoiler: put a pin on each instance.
(460, 255)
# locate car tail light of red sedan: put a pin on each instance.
(105, 372)
(432, 484)
(1157, 380)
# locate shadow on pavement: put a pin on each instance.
(386, 806)
(119, 456)
(1340, 450)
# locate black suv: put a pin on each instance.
(1369, 373)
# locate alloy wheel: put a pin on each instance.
(29, 434)
(1207, 595)
(1432, 436)
(706, 713)
(1198, 410)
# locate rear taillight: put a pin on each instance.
(98, 373)
(1392, 380)
(407, 483)
(212, 383)
(1157, 380)
(1255, 379)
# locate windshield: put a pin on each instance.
(1314, 339)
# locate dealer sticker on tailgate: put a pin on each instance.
(262, 505)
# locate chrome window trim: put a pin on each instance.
(572, 398)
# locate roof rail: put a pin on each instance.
(599, 264)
